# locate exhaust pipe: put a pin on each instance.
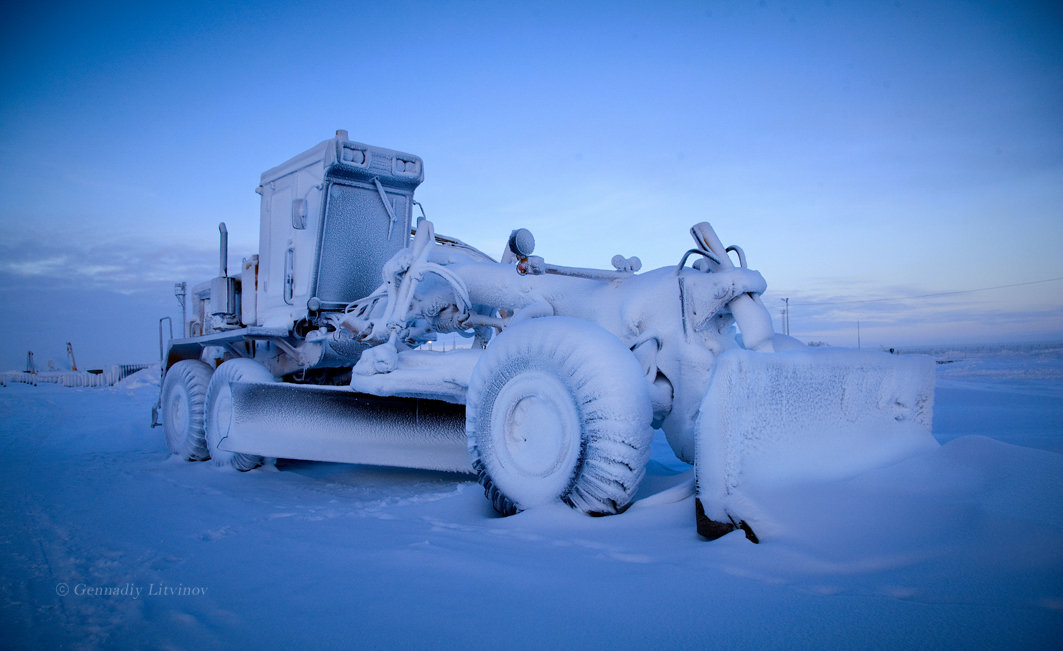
(223, 263)
(223, 288)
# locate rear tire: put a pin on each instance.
(184, 391)
(219, 402)
(558, 410)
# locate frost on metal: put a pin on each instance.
(769, 422)
(673, 320)
(323, 345)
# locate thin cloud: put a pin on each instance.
(124, 265)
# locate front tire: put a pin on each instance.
(184, 391)
(219, 411)
(558, 410)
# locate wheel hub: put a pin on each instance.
(536, 427)
(179, 411)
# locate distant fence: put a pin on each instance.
(103, 378)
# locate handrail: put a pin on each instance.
(683, 261)
(162, 349)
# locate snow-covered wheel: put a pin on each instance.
(558, 410)
(184, 392)
(220, 409)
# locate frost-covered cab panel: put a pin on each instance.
(330, 218)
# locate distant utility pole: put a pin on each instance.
(786, 317)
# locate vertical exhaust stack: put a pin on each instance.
(223, 264)
(223, 288)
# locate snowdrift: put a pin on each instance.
(955, 546)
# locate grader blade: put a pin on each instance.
(323, 423)
(775, 420)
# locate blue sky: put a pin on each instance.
(856, 150)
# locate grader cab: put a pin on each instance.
(319, 350)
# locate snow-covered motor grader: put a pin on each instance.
(321, 349)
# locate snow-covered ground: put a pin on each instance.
(108, 542)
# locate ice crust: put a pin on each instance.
(772, 420)
(430, 374)
(674, 320)
(326, 423)
(783, 414)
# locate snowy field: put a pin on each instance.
(107, 542)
